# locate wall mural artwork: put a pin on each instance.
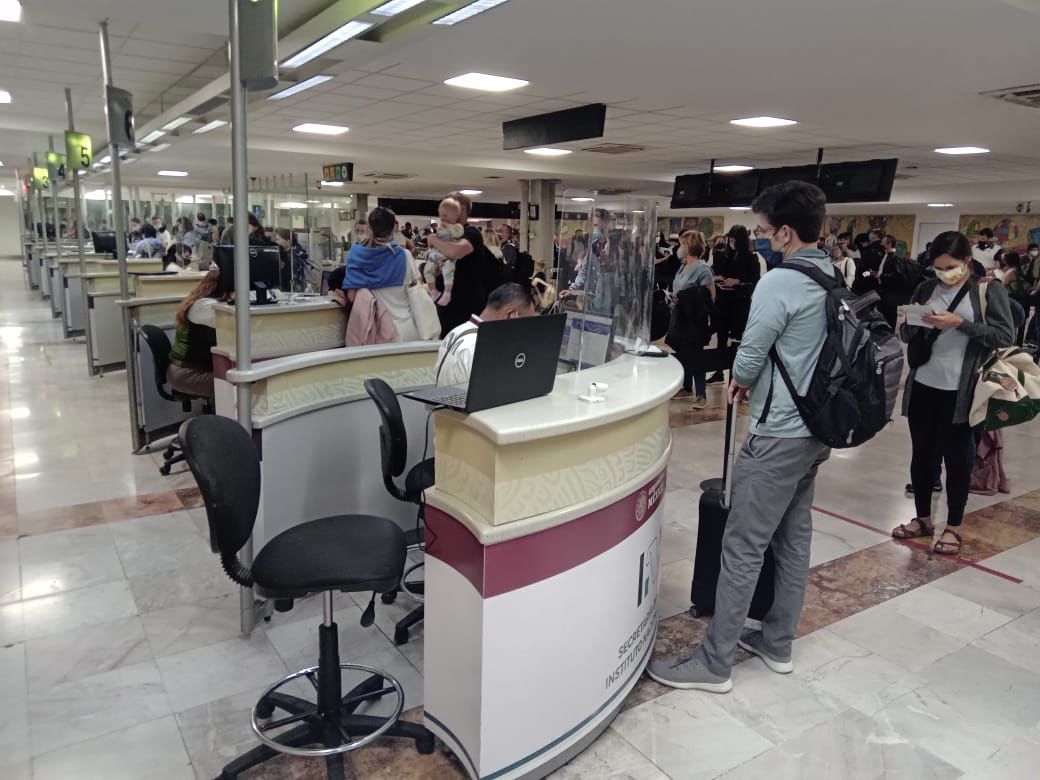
(1013, 231)
(709, 226)
(902, 226)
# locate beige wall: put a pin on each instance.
(9, 227)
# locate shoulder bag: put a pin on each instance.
(421, 305)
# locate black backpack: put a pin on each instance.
(853, 390)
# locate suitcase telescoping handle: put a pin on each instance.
(730, 455)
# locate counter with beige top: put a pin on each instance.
(542, 565)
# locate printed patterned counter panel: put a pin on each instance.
(283, 329)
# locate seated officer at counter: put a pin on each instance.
(455, 356)
(191, 361)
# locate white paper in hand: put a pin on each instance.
(913, 314)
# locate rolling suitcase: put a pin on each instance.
(707, 561)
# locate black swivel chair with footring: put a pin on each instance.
(347, 553)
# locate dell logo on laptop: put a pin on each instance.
(520, 361)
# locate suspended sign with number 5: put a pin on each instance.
(79, 150)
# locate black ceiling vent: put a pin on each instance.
(614, 148)
(1027, 95)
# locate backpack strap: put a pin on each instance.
(828, 281)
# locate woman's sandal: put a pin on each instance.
(948, 548)
(905, 531)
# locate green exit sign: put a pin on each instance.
(338, 172)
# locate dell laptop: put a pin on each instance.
(514, 360)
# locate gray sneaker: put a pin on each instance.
(689, 674)
(752, 641)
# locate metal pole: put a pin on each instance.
(243, 346)
(76, 193)
(40, 211)
(119, 227)
(57, 221)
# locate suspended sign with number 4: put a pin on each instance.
(56, 166)
(79, 150)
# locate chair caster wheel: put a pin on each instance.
(426, 745)
(164, 469)
(264, 712)
(401, 636)
(390, 597)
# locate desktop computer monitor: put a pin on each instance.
(264, 269)
(104, 243)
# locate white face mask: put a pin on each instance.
(1034, 254)
(952, 276)
(682, 254)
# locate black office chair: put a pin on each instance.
(393, 445)
(159, 346)
(348, 553)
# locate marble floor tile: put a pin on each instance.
(1018, 642)
(849, 745)
(57, 562)
(389, 660)
(14, 726)
(675, 582)
(75, 609)
(148, 751)
(678, 543)
(689, 736)
(856, 678)
(220, 670)
(779, 707)
(10, 573)
(833, 539)
(1017, 760)
(387, 616)
(186, 585)
(892, 635)
(1022, 562)
(610, 758)
(92, 706)
(297, 642)
(85, 652)
(219, 731)
(948, 613)
(160, 543)
(1009, 598)
(185, 627)
(962, 738)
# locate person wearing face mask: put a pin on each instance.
(775, 474)
(694, 289)
(954, 343)
(986, 248)
(845, 265)
(768, 259)
(736, 272)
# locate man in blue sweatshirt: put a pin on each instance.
(775, 473)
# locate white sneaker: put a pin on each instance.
(753, 642)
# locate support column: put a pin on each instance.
(361, 199)
(40, 211)
(543, 193)
(57, 217)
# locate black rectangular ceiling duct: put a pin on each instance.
(572, 124)
(867, 181)
(420, 207)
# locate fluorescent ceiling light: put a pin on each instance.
(395, 7)
(6, 193)
(299, 87)
(738, 208)
(95, 195)
(183, 120)
(153, 136)
(486, 82)
(5, 96)
(314, 201)
(185, 199)
(10, 11)
(319, 129)
(472, 192)
(1, 163)
(159, 148)
(940, 205)
(733, 168)
(330, 41)
(209, 126)
(470, 10)
(962, 150)
(763, 121)
(583, 200)
(547, 151)
(173, 173)
(332, 184)
(292, 204)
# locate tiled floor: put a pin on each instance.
(120, 655)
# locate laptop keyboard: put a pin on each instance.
(456, 399)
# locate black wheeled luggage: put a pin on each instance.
(707, 561)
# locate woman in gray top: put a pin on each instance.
(970, 321)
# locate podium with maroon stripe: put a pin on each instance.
(542, 567)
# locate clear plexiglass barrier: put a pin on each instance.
(605, 275)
